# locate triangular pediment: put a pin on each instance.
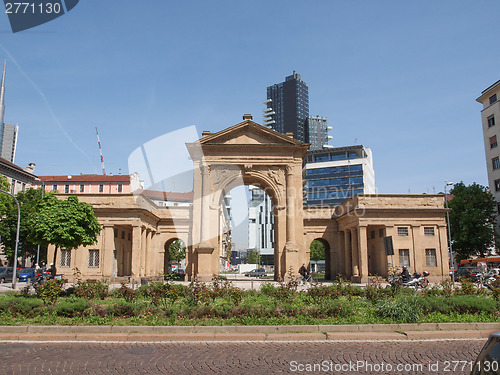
(249, 133)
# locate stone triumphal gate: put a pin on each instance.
(137, 233)
(248, 154)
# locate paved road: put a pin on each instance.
(244, 357)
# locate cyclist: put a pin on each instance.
(304, 272)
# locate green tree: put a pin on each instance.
(317, 250)
(5, 199)
(177, 251)
(472, 220)
(253, 257)
(28, 202)
(63, 223)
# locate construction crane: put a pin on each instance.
(100, 151)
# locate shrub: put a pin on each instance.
(469, 304)
(468, 288)
(71, 308)
(121, 309)
(92, 289)
(49, 291)
(404, 309)
(128, 294)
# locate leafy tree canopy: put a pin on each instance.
(28, 202)
(63, 223)
(253, 257)
(472, 220)
(317, 250)
(177, 251)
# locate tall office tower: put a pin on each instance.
(8, 132)
(491, 133)
(288, 107)
(261, 225)
(318, 129)
(333, 175)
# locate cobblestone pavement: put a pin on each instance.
(242, 357)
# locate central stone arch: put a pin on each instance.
(246, 154)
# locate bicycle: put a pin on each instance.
(306, 280)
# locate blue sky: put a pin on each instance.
(396, 76)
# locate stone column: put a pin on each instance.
(291, 246)
(442, 253)
(205, 206)
(143, 252)
(135, 257)
(355, 254)
(148, 256)
(347, 256)
(418, 250)
(363, 253)
(391, 266)
(290, 208)
(109, 247)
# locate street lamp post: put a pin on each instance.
(449, 233)
(14, 274)
(38, 247)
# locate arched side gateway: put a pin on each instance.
(247, 154)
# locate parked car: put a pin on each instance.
(258, 272)
(27, 273)
(6, 274)
(488, 360)
(178, 271)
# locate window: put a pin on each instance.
(94, 258)
(66, 189)
(495, 162)
(493, 141)
(404, 257)
(498, 208)
(23, 187)
(82, 188)
(403, 231)
(54, 187)
(120, 188)
(123, 235)
(372, 234)
(493, 99)
(129, 236)
(101, 188)
(491, 121)
(65, 258)
(13, 186)
(116, 233)
(381, 233)
(497, 185)
(429, 231)
(430, 258)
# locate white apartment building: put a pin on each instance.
(490, 117)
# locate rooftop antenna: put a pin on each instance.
(100, 151)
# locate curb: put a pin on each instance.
(419, 331)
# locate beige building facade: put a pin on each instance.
(136, 232)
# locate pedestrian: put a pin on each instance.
(52, 270)
(304, 272)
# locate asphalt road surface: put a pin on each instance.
(241, 357)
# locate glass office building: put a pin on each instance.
(288, 107)
(335, 174)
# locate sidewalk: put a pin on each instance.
(427, 331)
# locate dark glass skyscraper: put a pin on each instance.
(288, 107)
